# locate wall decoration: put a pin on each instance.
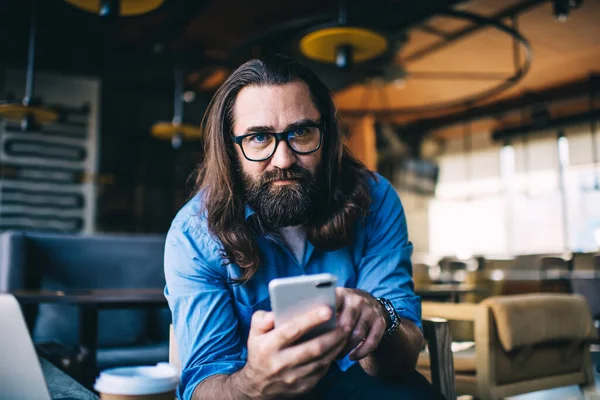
(47, 174)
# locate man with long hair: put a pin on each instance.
(279, 195)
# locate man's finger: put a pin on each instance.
(359, 332)
(261, 323)
(339, 299)
(330, 343)
(349, 316)
(371, 341)
(293, 330)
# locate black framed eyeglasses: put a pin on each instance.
(260, 146)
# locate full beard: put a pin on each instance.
(281, 205)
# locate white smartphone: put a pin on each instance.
(297, 295)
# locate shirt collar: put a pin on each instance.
(249, 212)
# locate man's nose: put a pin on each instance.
(284, 157)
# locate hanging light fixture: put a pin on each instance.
(122, 8)
(343, 45)
(29, 113)
(176, 131)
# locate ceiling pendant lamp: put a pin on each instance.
(176, 131)
(342, 44)
(29, 113)
(122, 8)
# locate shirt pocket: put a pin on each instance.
(244, 313)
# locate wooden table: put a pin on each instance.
(449, 290)
(89, 302)
(62, 386)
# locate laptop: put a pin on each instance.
(21, 375)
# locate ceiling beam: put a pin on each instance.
(454, 36)
(506, 134)
(571, 91)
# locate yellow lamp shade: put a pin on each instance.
(166, 131)
(322, 45)
(128, 7)
(17, 112)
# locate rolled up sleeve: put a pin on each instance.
(204, 320)
(385, 269)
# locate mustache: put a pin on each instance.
(294, 172)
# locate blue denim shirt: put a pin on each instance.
(211, 316)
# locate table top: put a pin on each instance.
(62, 386)
(449, 288)
(93, 297)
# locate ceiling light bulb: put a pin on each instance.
(177, 140)
(189, 96)
(497, 275)
(343, 57)
(561, 9)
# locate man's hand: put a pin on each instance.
(360, 313)
(276, 366)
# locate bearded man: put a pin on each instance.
(279, 195)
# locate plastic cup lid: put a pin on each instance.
(138, 380)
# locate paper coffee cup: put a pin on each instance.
(138, 383)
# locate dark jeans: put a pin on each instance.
(355, 384)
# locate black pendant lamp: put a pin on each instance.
(176, 131)
(121, 8)
(29, 112)
(342, 44)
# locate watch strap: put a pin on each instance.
(394, 317)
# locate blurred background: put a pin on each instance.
(460, 104)
(483, 115)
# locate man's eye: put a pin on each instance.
(300, 131)
(259, 138)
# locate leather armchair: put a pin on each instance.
(523, 343)
(34, 261)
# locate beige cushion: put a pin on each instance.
(526, 320)
(537, 362)
(464, 361)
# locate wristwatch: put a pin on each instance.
(394, 317)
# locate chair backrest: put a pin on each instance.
(584, 261)
(451, 269)
(590, 290)
(523, 340)
(63, 262)
(554, 263)
(441, 360)
(527, 262)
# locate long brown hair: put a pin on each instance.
(346, 179)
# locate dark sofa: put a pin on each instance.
(55, 261)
